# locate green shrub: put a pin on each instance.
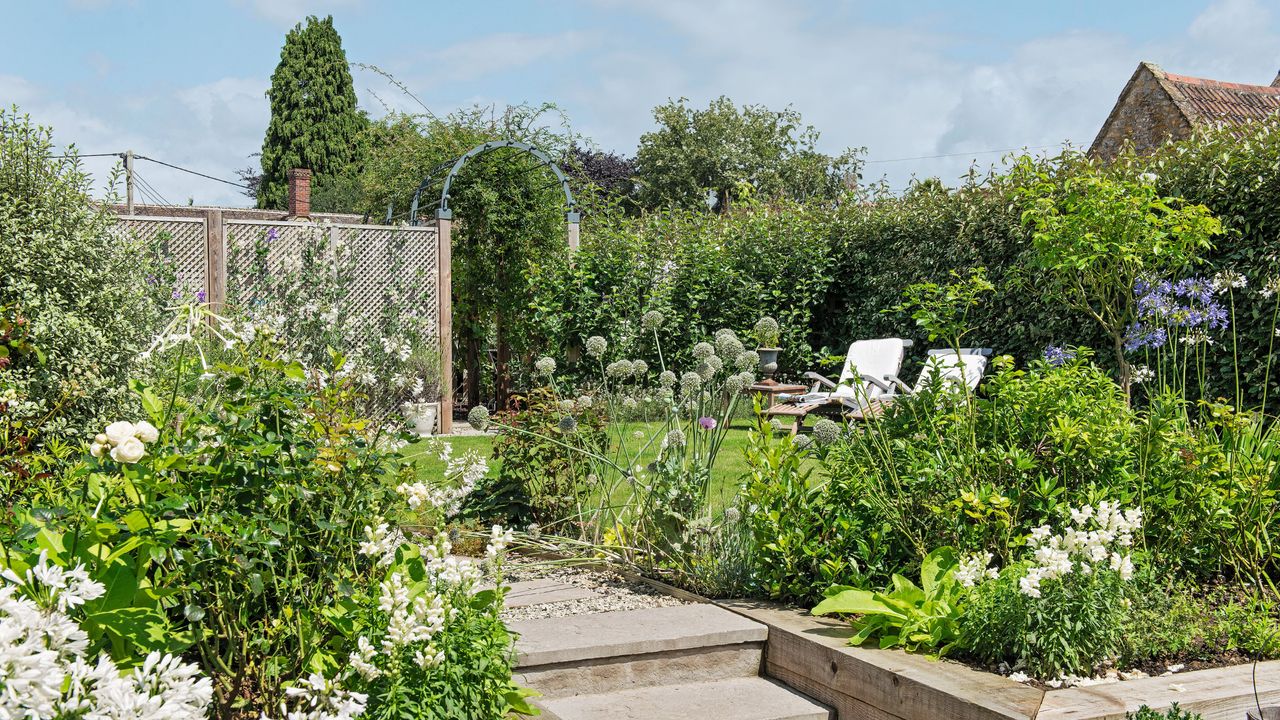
(807, 535)
(915, 617)
(90, 295)
(543, 473)
(1061, 610)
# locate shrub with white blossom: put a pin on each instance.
(48, 671)
(1061, 611)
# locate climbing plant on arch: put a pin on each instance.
(492, 251)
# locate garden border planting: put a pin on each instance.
(810, 655)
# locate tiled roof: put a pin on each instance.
(1209, 101)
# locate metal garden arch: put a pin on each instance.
(444, 212)
(445, 173)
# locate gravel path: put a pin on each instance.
(611, 591)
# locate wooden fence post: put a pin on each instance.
(215, 253)
(444, 298)
(571, 219)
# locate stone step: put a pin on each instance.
(573, 639)
(525, 593)
(750, 698)
(630, 649)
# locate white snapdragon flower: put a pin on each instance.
(362, 659)
(499, 539)
(972, 570)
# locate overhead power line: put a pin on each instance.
(193, 172)
(964, 154)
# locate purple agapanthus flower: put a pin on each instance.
(707, 423)
(177, 294)
(1189, 303)
(200, 296)
(272, 234)
(1058, 356)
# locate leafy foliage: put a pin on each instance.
(698, 159)
(914, 617)
(89, 299)
(314, 120)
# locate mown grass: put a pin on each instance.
(726, 476)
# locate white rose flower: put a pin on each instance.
(146, 432)
(96, 449)
(119, 431)
(129, 451)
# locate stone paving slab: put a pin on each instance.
(540, 592)
(737, 699)
(630, 632)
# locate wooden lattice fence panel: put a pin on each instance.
(178, 241)
(387, 266)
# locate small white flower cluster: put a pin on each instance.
(499, 539)
(318, 698)
(465, 471)
(45, 671)
(1096, 535)
(381, 542)
(1229, 279)
(974, 569)
(447, 572)
(124, 441)
(1271, 287)
(1141, 374)
(398, 348)
(410, 619)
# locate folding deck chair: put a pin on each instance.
(967, 368)
(866, 365)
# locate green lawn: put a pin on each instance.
(729, 469)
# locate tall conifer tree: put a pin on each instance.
(314, 120)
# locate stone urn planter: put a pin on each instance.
(422, 416)
(768, 361)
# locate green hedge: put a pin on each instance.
(831, 274)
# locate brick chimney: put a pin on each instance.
(299, 192)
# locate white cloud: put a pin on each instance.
(501, 52)
(903, 90)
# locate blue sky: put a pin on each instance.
(183, 81)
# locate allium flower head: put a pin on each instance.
(690, 382)
(826, 431)
(747, 360)
(651, 320)
(727, 344)
(619, 369)
(766, 329)
(667, 379)
(596, 346)
(478, 418)
(674, 438)
(567, 424)
(585, 402)
(800, 441)
(545, 367)
(733, 385)
(639, 368)
(703, 350)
